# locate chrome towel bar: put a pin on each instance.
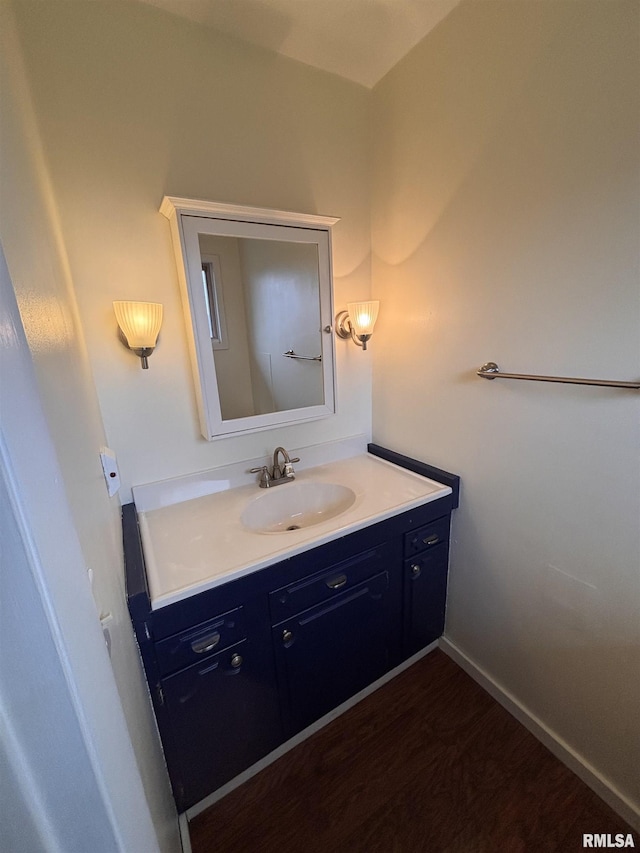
(291, 354)
(490, 370)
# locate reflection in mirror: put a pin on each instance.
(257, 294)
(212, 286)
(267, 294)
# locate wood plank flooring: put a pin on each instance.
(429, 763)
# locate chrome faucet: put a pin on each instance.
(278, 474)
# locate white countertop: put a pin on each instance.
(198, 544)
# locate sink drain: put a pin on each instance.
(294, 527)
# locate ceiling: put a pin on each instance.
(356, 39)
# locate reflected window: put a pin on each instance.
(212, 285)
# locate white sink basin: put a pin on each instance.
(292, 506)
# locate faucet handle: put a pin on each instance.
(287, 468)
(265, 476)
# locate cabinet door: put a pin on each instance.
(224, 717)
(425, 592)
(328, 653)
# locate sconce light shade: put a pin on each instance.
(140, 324)
(363, 316)
(357, 322)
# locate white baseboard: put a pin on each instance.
(562, 751)
(185, 839)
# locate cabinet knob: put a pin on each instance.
(287, 636)
(415, 570)
(236, 660)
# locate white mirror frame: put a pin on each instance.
(239, 221)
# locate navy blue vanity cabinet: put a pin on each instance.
(220, 714)
(426, 557)
(223, 717)
(335, 632)
(426, 562)
(236, 670)
(210, 668)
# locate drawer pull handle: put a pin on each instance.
(431, 540)
(415, 570)
(209, 643)
(287, 636)
(337, 582)
(236, 661)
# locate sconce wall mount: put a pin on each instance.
(357, 322)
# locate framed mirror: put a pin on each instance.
(257, 294)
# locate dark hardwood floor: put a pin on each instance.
(429, 762)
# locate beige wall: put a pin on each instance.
(38, 263)
(505, 228)
(135, 104)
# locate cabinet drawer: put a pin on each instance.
(426, 537)
(322, 586)
(197, 643)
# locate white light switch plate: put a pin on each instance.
(110, 468)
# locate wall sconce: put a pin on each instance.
(357, 322)
(139, 324)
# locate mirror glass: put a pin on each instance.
(258, 300)
(263, 305)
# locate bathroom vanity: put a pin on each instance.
(249, 635)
